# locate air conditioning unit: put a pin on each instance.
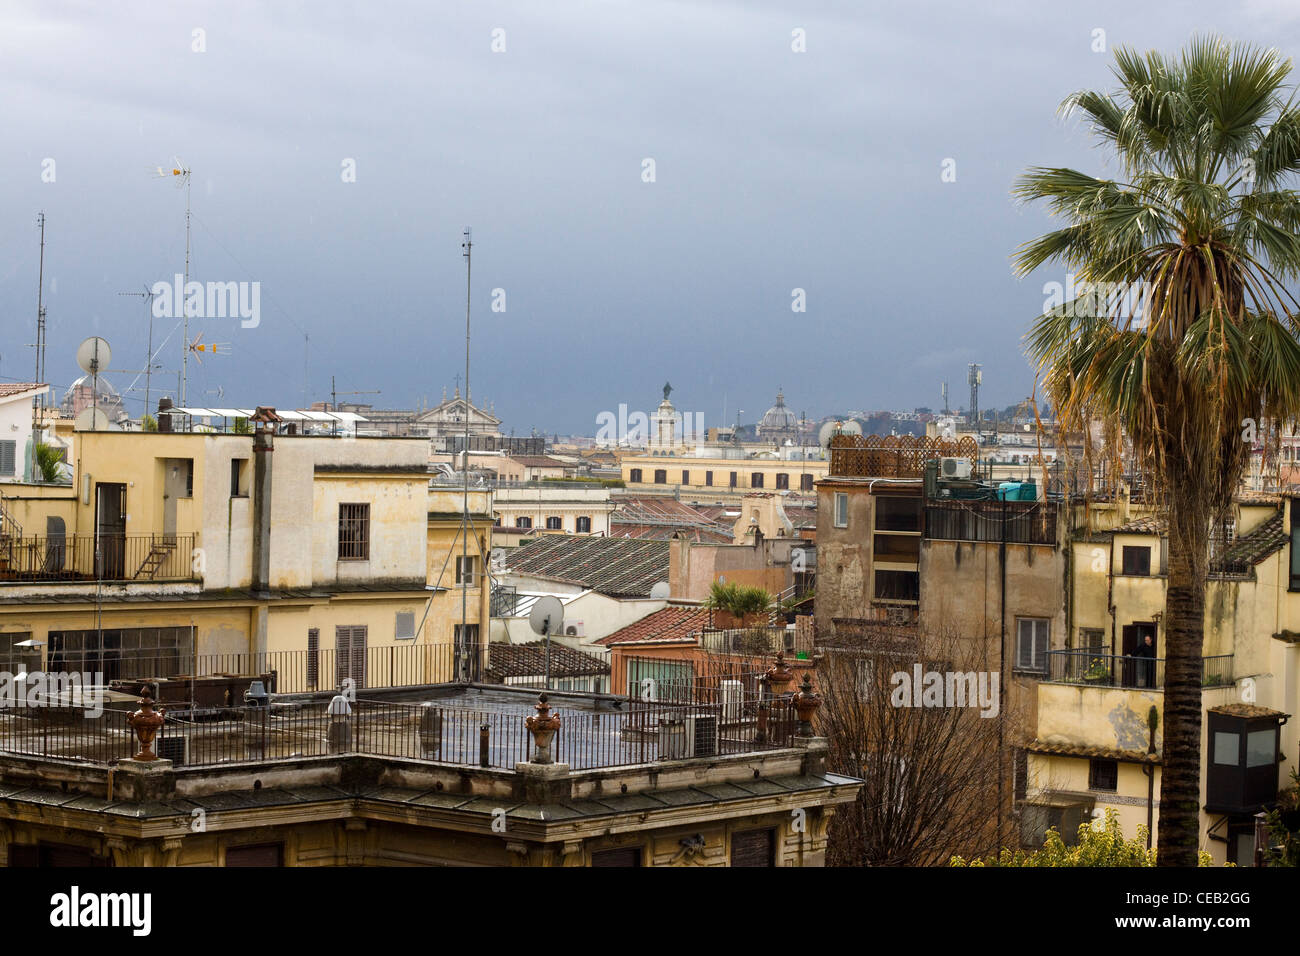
(701, 735)
(672, 738)
(648, 689)
(733, 699)
(955, 467)
(574, 630)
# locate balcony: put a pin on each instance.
(89, 557)
(893, 456)
(1088, 669)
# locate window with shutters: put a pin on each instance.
(734, 481)
(8, 450)
(1032, 644)
(1092, 640)
(686, 477)
(661, 476)
(754, 847)
(756, 480)
(805, 482)
(313, 657)
(354, 532)
(708, 479)
(782, 481)
(257, 854)
(584, 524)
(465, 570)
(554, 523)
(1020, 775)
(350, 655)
(1137, 560)
(634, 475)
(623, 856)
(523, 522)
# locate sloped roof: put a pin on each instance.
(659, 517)
(674, 624)
(1147, 524)
(529, 660)
(619, 567)
(1253, 548)
(10, 389)
(1246, 710)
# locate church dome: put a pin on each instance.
(778, 417)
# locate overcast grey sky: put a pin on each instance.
(774, 170)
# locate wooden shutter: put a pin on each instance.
(24, 854)
(753, 848)
(259, 854)
(313, 657)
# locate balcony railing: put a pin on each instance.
(89, 557)
(1015, 522)
(757, 641)
(1126, 671)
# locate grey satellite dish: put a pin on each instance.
(93, 420)
(847, 427)
(547, 616)
(93, 355)
(660, 591)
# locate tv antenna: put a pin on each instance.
(93, 355)
(334, 398)
(148, 296)
(468, 245)
(180, 173)
(198, 347)
(39, 401)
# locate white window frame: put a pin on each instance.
(841, 518)
(1040, 644)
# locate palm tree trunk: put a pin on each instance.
(1180, 775)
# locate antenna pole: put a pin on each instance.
(185, 334)
(39, 401)
(464, 541)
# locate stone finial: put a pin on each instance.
(543, 727)
(779, 676)
(806, 703)
(146, 722)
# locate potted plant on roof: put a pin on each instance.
(737, 605)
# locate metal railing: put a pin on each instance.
(459, 735)
(757, 641)
(89, 557)
(1090, 669)
(1022, 522)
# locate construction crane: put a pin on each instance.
(334, 399)
(181, 174)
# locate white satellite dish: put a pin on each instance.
(93, 420)
(547, 616)
(93, 355)
(660, 591)
(827, 431)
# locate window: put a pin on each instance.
(584, 524)
(350, 655)
(239, 477)
(634, 475)
(897, 513)
(465, 570)
(805, 482)
(523, 522)
(54, 854)
(841, 509)
(123, 652)
(1261, 748)
(1295, 546)
(404, 626)
(554, 523)
(782, 481)
(188, 464)
(753, 848)
(7, 449)
(708, 479)
(756, 480)
(1092, 640)
(686, 477)
(354, 532)
(661, 476)
(313, 657)
(1103, 775)
(624, 857)
(1137, 560)
(1031, 644)
(733, 480)
(898, 586)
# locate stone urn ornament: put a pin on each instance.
(806, 703)
(779, 676)
(146, 722)
(543, 727)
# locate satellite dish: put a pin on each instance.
(93, 355)
(846, 427)
(547, 616)
(93, 420)
(660, 591)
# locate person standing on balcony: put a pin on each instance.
(1146, 665)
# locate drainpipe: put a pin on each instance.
(263, 447)
(1002, 660)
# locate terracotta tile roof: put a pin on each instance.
(529, 660)
(17, 388)
(1246, 710)
(1258, 498)
(671, 625)
(1254, 547)
(1101, 753)
(1147, 524)
(660, 517)
(619, 567)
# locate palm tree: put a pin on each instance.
(1202, 220)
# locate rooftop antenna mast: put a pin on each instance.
(973, 378)
(147, 295)
(39, 401)
(334, 399)
(946, 409)
(182, 174)
(468, 246)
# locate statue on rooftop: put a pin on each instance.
(667, 388)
